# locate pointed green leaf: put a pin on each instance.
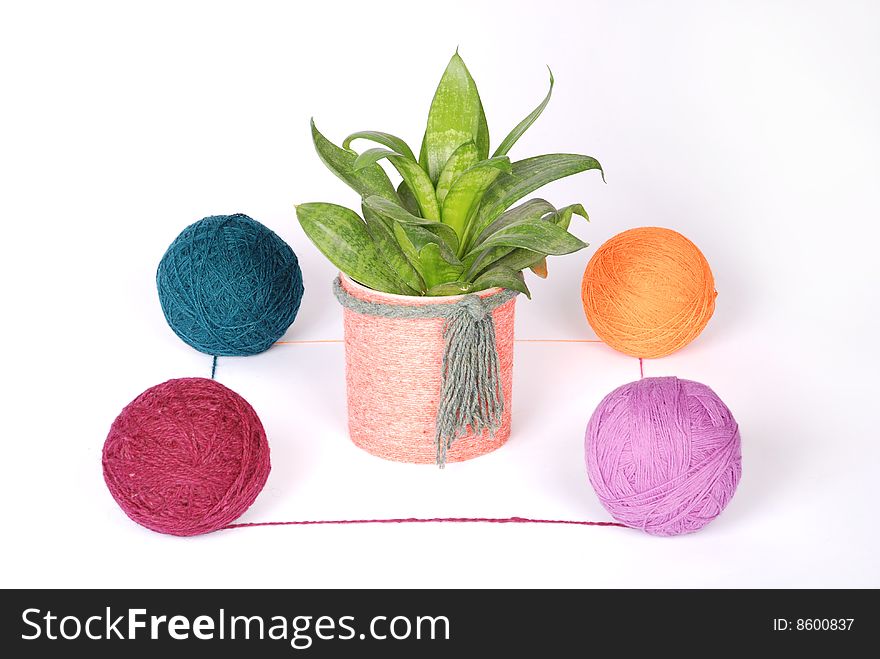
(423, 155)
(478, 260)
(533, 208)
(368, 181)
(437, 269)
(503, 278)
(418, 237)
(407, 198)
(420, 185)
(394, 212)
(416, 179)
(482, 140)
(411, 239)
(371, 157)
(385, 139)
(523, 125)
(527, 176)
(343, 238)
(463, 199)
(536, 235)
(562, 217)
(390, 250)
(433, 265)
(462, 159)
(518, 258)
(456, 117)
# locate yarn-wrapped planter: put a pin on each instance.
(394, 372)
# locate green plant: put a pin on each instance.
(448, 227)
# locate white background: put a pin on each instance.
(751, 127)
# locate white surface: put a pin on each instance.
(750, 127)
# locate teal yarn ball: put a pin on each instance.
(229, 286)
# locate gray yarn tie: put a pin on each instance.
(471, 395)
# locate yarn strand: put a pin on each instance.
(427, 520)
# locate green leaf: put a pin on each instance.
(411, 239)
(478, 260)
(503, 278)
(518, 258)
(420, 185)
(456, 117)
(396, 213)
(464, 197)
(419, 236)
(407, 198)
(371, 157)
(437, 269)
(368, 181)
(462, 159)
(534, 208)
(562, 217)
(450, 288)
(527, 176)
(385, 139)
(524, 125)
(390, 250)
(423, 154)
(434, 266)
(536, 235)
(416, 179)
(343, 238)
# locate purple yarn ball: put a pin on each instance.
(663, 455)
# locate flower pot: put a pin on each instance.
(394, 375)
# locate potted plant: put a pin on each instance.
(430, 272)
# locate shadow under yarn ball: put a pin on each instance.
(186, 457)
(229, 286)
(663, 455)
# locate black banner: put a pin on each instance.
(288, 623)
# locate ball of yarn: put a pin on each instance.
(648, 292)
(663, 455)
(229, 286)
(186, 457)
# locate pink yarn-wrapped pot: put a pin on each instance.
(393, 379)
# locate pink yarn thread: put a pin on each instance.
(428, 520)
(393, 377)
(663, 455)
(186, 457)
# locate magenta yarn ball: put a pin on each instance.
(663, 455)
(186, 457)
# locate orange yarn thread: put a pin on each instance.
(393, 377)
(648, 292)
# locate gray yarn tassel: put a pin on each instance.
(471, 396)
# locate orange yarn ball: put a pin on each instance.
(648, 292)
